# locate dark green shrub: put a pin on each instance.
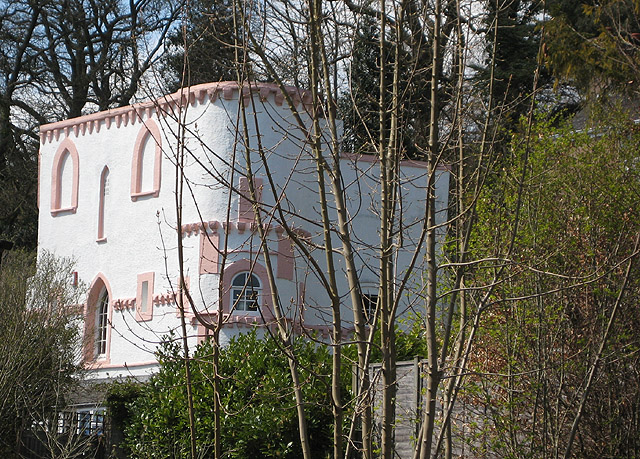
(259, 411)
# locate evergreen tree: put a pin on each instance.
(360, 108)
(516, 43)
(595, 45)
(207, 41)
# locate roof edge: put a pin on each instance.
(166, 105)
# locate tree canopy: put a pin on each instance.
(39, 343)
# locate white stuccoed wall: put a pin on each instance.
(141, 235)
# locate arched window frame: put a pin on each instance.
(150, 129)
(245, 295)
(101, 205)
(99, 289)
(66, 147)
(249, 266)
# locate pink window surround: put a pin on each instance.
(103, 182)
(185, 299)
(203, 333)
(150, 132)
(302, 292)
(144, 300)
(99, 284)
(245, 206)
(209, 253)
(67, 147)
(266, 306)
(285, 259)
(238, 319)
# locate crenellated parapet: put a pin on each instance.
(168, 106)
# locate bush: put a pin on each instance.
(258, 405)
(39, 343)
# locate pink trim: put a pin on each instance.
(266, 306)
(405, 162)
(245, 206)
(103, 179)
(66, 147)
(89, 346)
(185, 300)
(202, 335)
(302, 292)
(299, 327)
(285, 259)
(124, 303)
(124, 366)
(144, 310)
(194, 229)
(149, 131)
(209, 253)
(236, 319)
(166, 298)
(39, 175)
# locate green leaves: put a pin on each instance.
(579, 213)
(259, 416)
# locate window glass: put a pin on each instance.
(145, 297)
(369, 305)
(245, 292)
(101, 324)
(147, 163)
(89, 422)
(66, 181)
(104, 192)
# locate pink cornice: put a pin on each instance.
(229, 90)
(405, 162)
(124, 303)
(195, 229)
(100, 365)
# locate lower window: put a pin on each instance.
(245, 292)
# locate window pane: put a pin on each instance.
(101, 324)
(66, 180)
(145, 296)
(239, 280)
(369, 305)
(245, 292)
(253, 282)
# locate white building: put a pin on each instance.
(107, 197)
